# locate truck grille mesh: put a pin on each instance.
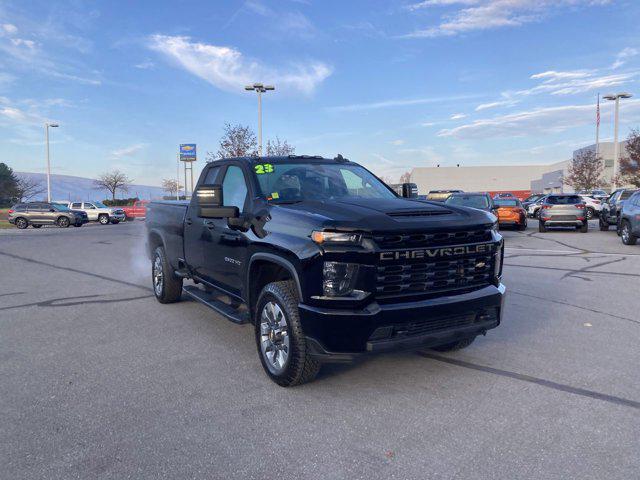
(427, 239)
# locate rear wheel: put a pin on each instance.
(279, 337)
(103, 219)
(63, 222)
(541, 226)
(450, 347)
(167, 287)
(523, 226)
(77, 224)
(584, 228)
(22, 223)
(590, 213)
(628, 238)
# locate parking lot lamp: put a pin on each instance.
(46, 136)
(616, 146)
(259, 89)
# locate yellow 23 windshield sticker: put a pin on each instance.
(263, 168)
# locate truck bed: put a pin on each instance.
(166, 219)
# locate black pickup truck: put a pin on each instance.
(326, 261)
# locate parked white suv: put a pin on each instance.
(594, 206)
(99, 212)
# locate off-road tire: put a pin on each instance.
(584, 228)
(603, 224)
(171, 289)
(103, 219)
(301, 367)
(36, 226)
(21, 223)
(541, 227)
(63, 222)
(451, 347)
(628, 238)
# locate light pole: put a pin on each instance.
(259, 89)
(46, 136)
(616, 145)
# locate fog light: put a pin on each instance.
(339, 278)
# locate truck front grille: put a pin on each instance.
(450, 274)
(411, 240)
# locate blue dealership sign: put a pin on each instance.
(188, 152)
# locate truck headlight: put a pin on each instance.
(339, 278)
(336, 238)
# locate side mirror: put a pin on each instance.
(52, 210)
(409, 190)
(208, 201)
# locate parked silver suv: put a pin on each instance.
(563, 211)
(99, 212)
(37, 214)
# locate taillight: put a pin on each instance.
(580, 206)
(10, 211)
(545, 207)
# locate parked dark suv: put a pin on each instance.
(563, 211)
(37, 214)
(630, 219)
(611, 207)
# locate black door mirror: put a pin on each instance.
(409, 190)
(209, 203)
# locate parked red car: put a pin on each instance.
(137, 210)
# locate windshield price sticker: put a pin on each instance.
(263, 168)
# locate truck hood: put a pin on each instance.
(379, 215)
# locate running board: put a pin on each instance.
(235, 315)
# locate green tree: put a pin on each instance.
(8, 185)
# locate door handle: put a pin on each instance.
(188, 221)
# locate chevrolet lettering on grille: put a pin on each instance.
(437, 252)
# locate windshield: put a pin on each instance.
(475, 201)
(59, 207)
(293, 182)
(507, 202)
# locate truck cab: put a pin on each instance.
(326, 261)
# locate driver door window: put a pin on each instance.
(234, 188)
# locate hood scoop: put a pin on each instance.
(418, 213)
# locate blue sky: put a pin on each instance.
(389, 84)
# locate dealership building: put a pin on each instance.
(536, 178)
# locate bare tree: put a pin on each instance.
(386, 179)
(405, 177)
(171, 186)
(28, 188)
(279, 148)
(113, 181)
(630, 163)
(585, 171)
(237, 141)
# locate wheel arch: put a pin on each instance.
(265, 268)
(154, 240)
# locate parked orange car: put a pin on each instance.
(510, 213)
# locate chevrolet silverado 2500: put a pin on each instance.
(327, 262)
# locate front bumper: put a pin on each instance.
(344, 335)
(120, 217)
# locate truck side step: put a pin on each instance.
(236, 315)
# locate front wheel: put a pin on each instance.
(167, 287)
(628, 238)
(450, 347)
(103, 219)
(281, 343)
(63, 222)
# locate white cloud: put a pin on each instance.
(227, 68)
(398, 103)
(145, 65)
(8, 28)
(500, 103)
(127, 151)
(532, 122)
(623, 56)
(553, 76)
(397, 142)
(571, 83)
(458, 116)
(477, 15)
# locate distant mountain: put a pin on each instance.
(67, 187)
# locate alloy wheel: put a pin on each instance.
(626, 234)
(274, 337)
(158, 275)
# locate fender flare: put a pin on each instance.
(283, 262)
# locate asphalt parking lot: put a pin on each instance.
(101, 381)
